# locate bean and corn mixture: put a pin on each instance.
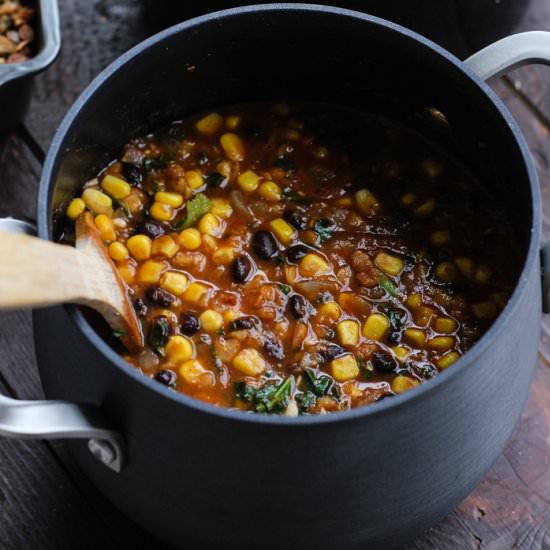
(300, 259)
(16, 34)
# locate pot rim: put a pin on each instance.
(466, 362)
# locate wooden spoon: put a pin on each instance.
(34, 272)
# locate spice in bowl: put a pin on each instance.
(16, 34)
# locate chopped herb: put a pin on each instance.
(397, 317)
(121, 205)
(202, 158)
(306, 400)
(195, 208)
(323, 298)
(290, 195)
(320, 385)
(323, 228)
(219, 332)
(244, 391)
(205, 339)
(279, 260)
(118, 333)
(285, 164)
(150, 163)
(365, 366)
(215, 179)
(273, 397)
(155, 187)
(387, 284)
(285, 289)
(159, 334)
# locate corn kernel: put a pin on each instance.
(366, 201)
(175, 200)
(423, 315)
(414, 300)
(432, 168)
(161, 212)
(174, 282)
(345, 201)
(375, 326)
(221, 208)
(401, 353)
(118, 252)
(440, 237)
(344, 368)
(415, 337)
(127, 270)
(392, 265)
(248, 181)
(194, 292)
(425, 208)
(441, 343)
(408, 199)
(209, 124)
(447, 360)
(179, 349)
(209, 225)
(330, 310)
(190, 238)
(106, 227)
(232, 146)
(348, 333)
(312, 265)
(249, 362)
(224, 255)
(211, 320)
(465, 266)
(75, 208)
(283, 230)
(485, 310)
(150, 271)
(209, 243)
(116, 187)
(224, 168)
(445, 325)
(194, 179)
(191, 371)
(97, 202)
(140, 247)
(483, 274)
(232, 122)
(446, 272)
(270, 191)
(164, 246)
(401, 384)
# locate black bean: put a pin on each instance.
(243, 323)
(294, 219)
(241, 269)
(297, 306)
(166, 377)
(189, 324)
(161, 297)
(140, 308)
(132, 173)
(331, 351)
(202, 159)
(274, 349)
(151, 229)
(264, 244)
(383, 361)
(296, 252)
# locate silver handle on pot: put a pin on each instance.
(59, 419)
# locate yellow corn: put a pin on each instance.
(408, 199)
(224, 255)
(483, 274)
(401, 353)
(140, 247)
(432, 168)
(348, 333)
(441, 343)
(118, 252)
(401, 384)
(440, 237)
(423, 315)
(209, 224)
(485, 310)
(312, 265)
(344, 368)
(366, 201)
(175, 200)
(211, 320)
(465, 266)
(174, 282)
(392, 265)
(194, 292)
(209, 243)
(330, 310)
(425, 208)
(345, 201)
(270, 191)
(191, 371)
(210, 124)
(376, 326)
(283, 230)
(106, 227)
(75, 208)
(248, 181)
(127, 270)
(194, 179)
(224, 168)
(190, 238)
(150, 271)
(116, 187)
(232, 146)
(232, 122)
(447, 360)
(179, 349)
(164, 246)
(446, 272)
(97, 202)
(161, 212)
(445, 325)
(414, 300)
(221, 208)
(249, 362)
(415, 337)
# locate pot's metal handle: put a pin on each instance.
(59, 419)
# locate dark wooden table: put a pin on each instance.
(46, 502)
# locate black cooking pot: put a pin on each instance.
(201, 476)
